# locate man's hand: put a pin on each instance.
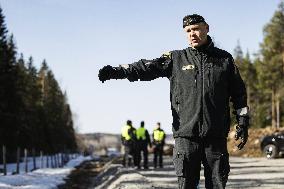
(105, 73)
(242, 130)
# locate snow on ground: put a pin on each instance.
(46, 178)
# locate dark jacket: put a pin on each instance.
(202, 82)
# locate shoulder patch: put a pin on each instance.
(125, 66)
(167, 54)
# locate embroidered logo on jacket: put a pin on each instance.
(188, 67)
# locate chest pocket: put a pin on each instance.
(187, 74)
(219, 72)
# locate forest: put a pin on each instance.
(264, 74)
(34, 111)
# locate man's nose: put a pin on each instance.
(192, 34)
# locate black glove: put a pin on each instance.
(242, 130)
(106, 72)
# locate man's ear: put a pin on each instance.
(207, 27)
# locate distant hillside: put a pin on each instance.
(99, 142)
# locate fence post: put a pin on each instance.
(4, 160)
(34, 159)
(57, 160)
(51, 161)
(18, 160)
(56, 163)
(26, 160)
(41, 159)
(62, 161)
(54, 158)
(47, 161)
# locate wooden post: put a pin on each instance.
(26, 160)
(34, 159)
(18, 160)
(41, 159)
(4, 160)
(51, 161)
(54, 158)
(62, 160)
(47, 161)
(57, 160)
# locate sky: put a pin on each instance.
(78, 37)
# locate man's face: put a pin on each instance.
(197, 34)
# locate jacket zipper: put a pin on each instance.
(209, 69)
(203, 60)
(202, 95)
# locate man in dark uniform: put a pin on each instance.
(158, 142)
(143, 140)
(128, 139)
(203, 80)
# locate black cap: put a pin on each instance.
(192, 19)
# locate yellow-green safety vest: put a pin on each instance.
(124, 132)
(159, 135)
(141, 133)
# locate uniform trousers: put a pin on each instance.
(142, 147)
(188, 155)
(158, 153)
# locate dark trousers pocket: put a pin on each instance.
(178, 160)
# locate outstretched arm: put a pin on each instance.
(144, 70)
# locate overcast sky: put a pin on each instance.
(78, 37)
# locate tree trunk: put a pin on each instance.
(273, 112)
(277, 111)
(18, 160)
(4, 160)
(26, 160)
(283, 62)
(248, 93)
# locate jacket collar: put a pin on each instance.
(206, 48)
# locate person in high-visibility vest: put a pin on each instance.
(128, 138)
(158, 141)
(143, 139)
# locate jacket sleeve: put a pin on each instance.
(148, 139)
(132, 133)
(237, 89)
(146, 70)
(164, 139)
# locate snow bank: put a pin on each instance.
(46, 178)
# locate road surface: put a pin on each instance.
(249, 173)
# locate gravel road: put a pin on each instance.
(246, 173)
